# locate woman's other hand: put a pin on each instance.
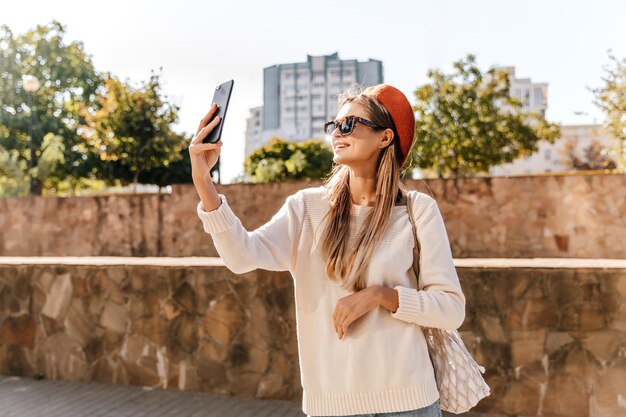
(353, 306)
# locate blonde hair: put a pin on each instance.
(346, 263)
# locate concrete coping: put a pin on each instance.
(490, 263)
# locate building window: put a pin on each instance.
(547, 154)
(538, 94)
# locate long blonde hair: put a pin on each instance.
(346, 263)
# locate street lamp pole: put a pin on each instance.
(31, 162)
(31, 84)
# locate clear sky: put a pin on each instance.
(201, 44)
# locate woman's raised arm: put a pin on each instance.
(273, 246)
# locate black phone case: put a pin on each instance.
(221, 96)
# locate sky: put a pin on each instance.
(199, 45)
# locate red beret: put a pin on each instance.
(401, 113)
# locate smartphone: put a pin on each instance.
(221, 97)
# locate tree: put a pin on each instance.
(611, 98)
(131, 131)
(13, 177)
(467, 122)
(280, 160)
(67, 76)
(595, 156)
(177, 172)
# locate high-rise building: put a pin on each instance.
(534, 96)
(254, 127)
(299, 97)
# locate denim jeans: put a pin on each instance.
(432, 410)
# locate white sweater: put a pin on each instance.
(382, 365)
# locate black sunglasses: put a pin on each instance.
(346, 125)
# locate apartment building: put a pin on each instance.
(299, 97)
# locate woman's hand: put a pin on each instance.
(353, 306)
(203, 156)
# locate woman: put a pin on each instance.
(348, 245)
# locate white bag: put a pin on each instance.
(458, 376)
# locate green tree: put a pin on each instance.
(13, 173)
(177, 172)
(611, 98)
(596, 156)
(467, 122)
(131, 132)
(67, 77)
(281, 160)
(14, 179)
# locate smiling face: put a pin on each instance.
(364, 144)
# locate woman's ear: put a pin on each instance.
(387, 138)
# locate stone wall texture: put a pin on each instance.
(553, 339)
(561, 216)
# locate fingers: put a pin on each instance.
(208, 117)
(341, 321)
(342, 329)
(202, 133)
(201, 147)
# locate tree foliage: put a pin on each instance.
(611, 98)
(281, 160)
(595, 156)
(88, 127)
(467, 122)
(67, 76)
(130, 130)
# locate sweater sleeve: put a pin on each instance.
(440, 302)
(272, 246)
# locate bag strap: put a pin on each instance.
(416, 246)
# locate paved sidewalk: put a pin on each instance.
(28, 397)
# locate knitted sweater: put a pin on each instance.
(382, 364)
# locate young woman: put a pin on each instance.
(348, 245)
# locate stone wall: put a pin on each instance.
(176, 327)
(552, 336)
(569, 216)
(553, 340)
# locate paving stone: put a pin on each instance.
(26, 397)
